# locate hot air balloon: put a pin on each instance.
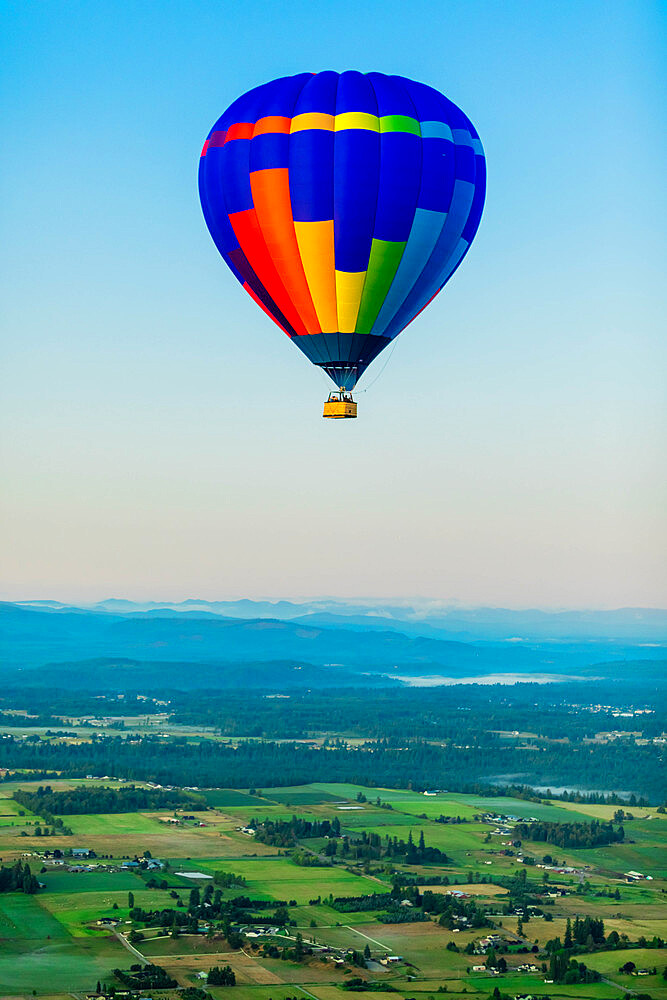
(342, 203)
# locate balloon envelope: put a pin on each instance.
(342, 203)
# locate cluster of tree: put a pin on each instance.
(145, 977)
(287, 954)
(359, 958)
(585, 933)
(18, 878)
(395, 909)
(494, 961)
(227, 880)
(367, 846)
(571, 835)
(99, 799)
(309, 859)
(166, 917)
(286, 833)
(371, 846)
(563, 969)
(209, 906)
(221, 976)
(296, 953)
(452, 910)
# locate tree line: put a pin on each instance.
(92, 799)
(571, 835)
(417, 764)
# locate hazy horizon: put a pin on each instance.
(372, 602)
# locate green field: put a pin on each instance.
(280, 878)
(58, 880)
(37, 952)
(77, 911)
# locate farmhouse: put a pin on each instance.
(491, 941)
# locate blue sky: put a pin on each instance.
(161, 438)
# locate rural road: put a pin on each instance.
(619, 986)
(379, 943)
(130, 947)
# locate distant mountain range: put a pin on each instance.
(634, 625)
(344, 645)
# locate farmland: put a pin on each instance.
(53, 941)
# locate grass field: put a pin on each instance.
(76, 911)
(58, 965)
(58, 880)
(280, 878)
(37, 951)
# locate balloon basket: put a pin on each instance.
(340, 405)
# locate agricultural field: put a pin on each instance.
(81, 924)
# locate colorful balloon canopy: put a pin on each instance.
(342, 203)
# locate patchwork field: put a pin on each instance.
(52, 940)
